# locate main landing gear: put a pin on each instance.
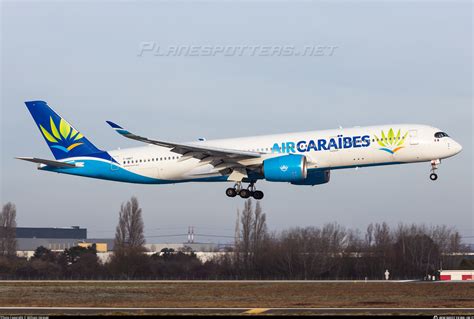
(250, 191)
(434, 167)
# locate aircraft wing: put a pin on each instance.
(46, 162)
(188, 150)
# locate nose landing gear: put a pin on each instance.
(434, 167)
(250, 191)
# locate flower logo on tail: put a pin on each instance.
(65, 138)
(391, 143)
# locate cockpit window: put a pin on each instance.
(440, 134)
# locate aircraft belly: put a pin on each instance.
(185, 170)
(201, 171)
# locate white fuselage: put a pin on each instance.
(326, 149)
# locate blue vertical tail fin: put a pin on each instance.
(63, 139)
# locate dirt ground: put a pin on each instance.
(235, 294)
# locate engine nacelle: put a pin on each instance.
(289, 168)
(315, 177)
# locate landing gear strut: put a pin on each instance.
(434, 167)
(250, 191)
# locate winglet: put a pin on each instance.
(118, 128)
(113, 124)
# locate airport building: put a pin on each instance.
(55, 239)
(73, 232)
(59, 239)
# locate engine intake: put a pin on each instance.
(289, 168)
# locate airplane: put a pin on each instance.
(305, 158)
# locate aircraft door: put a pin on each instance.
(413, 137)
(113, 165)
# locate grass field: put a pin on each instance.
(236, 294)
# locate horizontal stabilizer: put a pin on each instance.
(46, 162)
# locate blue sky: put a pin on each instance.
(395, 62)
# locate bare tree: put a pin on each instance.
(129, 231)
(259, 235)
(245, 238)
(369, 235)
(236, 257)
(128, 260)
(237, 229)
(135, 226)
(121, 232)
(249, 249)
(8, 230)
(259, 228)
(382, 235)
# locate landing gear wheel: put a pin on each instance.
(244, 193)
(434, 167)
(248, 192)
(258, 195)
(231, 192)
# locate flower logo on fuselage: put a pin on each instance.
(391, 143)
(64, 139)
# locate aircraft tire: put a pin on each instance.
(231, 192)
(257, 195)
(244, 193)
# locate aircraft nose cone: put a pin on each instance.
(457, 147)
